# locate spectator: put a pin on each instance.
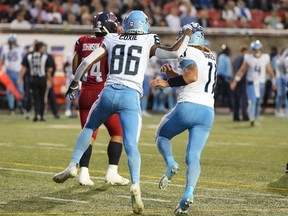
(24, 8)
(206, 3)
(71, 20)
(285, 19)
(38, 14)
(7, 15)
(54, 12)
(71, 6)
(86, 19)
(229, 14)
(173, 19)
(20, 22)
(97, 6)
(188, 12)
(243, 13)
(273, 21)
(203, 18)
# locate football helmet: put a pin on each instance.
(256, 45)
(12, 38)
(104, 23)
(197, 37)
(136, 22)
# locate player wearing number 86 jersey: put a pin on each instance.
(92, 85)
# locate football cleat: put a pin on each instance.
(69, 172)
(184, 207)
(166, 178)
(114, 178)
(137, 204)
(84, 177)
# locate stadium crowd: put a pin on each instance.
(171, 13)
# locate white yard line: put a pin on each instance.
(64, 200)
(149, 199)
(51, 144)
(279, 198)
(6, 144)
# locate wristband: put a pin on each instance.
(177, 81)
(237, 78)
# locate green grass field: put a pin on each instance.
(243, 170)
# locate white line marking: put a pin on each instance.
(3, 203)
(149, 199)
(51, 144)
(280, 198)
(64, 200)
(220, 198)
(6, 144)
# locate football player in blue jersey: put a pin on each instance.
(128, 56)
(193, 112)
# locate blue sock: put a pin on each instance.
(83, 142)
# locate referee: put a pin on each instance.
(39, 66)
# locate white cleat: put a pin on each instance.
(114, 178)
(69, 172)
(84, 177)
(137, 204)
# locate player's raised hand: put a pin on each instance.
(70, 93)
(166, 67)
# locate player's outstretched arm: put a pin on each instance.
(176, 50)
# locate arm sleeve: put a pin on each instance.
(81, 69)
(186, 62)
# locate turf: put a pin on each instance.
(242, 172)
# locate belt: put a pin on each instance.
(250, 82)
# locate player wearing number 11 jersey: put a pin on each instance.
(128, 56)
(193, 112)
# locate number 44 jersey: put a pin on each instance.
(202, 90)
(128, 57)
(96, 75)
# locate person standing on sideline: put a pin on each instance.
(38, 65)
(51, 94)
(281, 69)
(91, 86)
(255, 64)
(224, 68)
(11, 58)
(194, 112)
(128, 55)
(239, 95)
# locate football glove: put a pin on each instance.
(70, 93)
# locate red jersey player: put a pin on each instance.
(92, 84)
